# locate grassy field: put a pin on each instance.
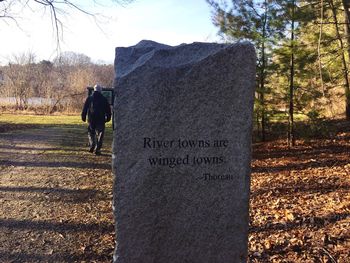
(9, 122)
(42, 119)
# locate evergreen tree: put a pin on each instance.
(257, 21)
(346, 7)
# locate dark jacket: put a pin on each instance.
(97, 108)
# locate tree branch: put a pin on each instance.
(56, 8)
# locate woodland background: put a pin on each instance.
(303, 58)
(303, 53)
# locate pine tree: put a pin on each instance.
(258, 22)
(346, 6)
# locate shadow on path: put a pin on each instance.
(302, 187)
(301, 166)
(25, 148)
(310, 222)
(56, 226)
(58, 164)
(56, 194)
(301, 152)
(88, 256)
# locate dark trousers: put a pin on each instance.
(95, 134)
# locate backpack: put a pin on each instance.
(96, 110)
(92, 106)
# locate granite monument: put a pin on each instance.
(182, 152)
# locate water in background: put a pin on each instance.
(34, 101)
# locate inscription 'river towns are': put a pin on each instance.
(174, 161)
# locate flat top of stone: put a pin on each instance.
(152, 54)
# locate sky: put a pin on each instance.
(171, 22)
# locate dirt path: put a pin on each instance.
(55, 197)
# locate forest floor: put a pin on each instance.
(56, 198)
(300, 200)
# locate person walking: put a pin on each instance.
(98, 112)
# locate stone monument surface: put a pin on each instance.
(182, 152)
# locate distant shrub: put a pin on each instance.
(315, 127)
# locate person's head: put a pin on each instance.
(97, 88)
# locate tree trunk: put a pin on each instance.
(262, 77)
(319, 48)
(291, 132)
(345, 67)
(258, 122)
(346, 5)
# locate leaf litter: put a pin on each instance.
(300, 201)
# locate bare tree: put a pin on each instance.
(52, 86)
(70, 58)
(57, 10)
(104, 75)
(20, 76)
